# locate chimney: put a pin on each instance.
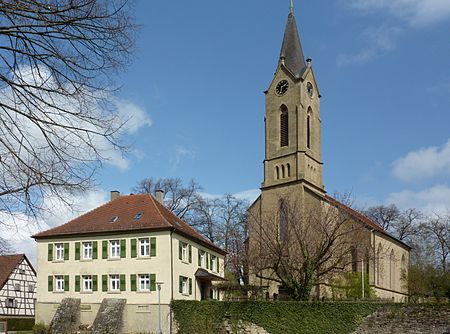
(115, 194)
(160, 196)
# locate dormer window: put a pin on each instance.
(113, 219)
(138, 216)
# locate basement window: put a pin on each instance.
(138, 216)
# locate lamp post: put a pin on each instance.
(158, 285)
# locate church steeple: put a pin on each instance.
(291, 50)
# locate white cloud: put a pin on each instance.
(379, 41)
(181, 153)
(414, 12)
(423, 164)
(18, 228)
(432, 200)
(249, 195)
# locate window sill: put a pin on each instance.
(114, 292)
(59, 292)
(58, 261)
(144, 292)
(86, 260)
(185, 262)
(86, 292)
(185, 294)
(143, 257)
(114, 259)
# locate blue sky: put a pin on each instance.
(383, 68)
(196, 87)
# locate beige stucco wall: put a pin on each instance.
(167, 257)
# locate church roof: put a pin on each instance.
(132, 213)
(291, 50)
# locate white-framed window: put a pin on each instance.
(202, 259)
(114, 282)
(114, 249)
(144, 282)
(184, 252)
(87, 283)
(144, 247)
(31, 287)
(21, 271)
(59, 252)
(11, 302)
(17, 286)
(215, 294)
(184, 285)
(214, 263)
(87, 250)
(59, 283)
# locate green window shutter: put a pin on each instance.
(199, 258)
(66, 283)
(77, 283)
(77, 251)
(207, 260)
(152, 282)
(181, 284)
(152, 246)
(123, 248)
(50, 252)
(180, 249)
(94, 283)
(94, 250)
(66, 251)
(122, 283)
(133, 282)
(133, 248)
(190, 254)
(50, 283)
(190, 286)
(104, 283)
(104, 249)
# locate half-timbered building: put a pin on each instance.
(17, 287)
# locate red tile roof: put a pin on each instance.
(7, 265)
(355, 214)
(155, 216)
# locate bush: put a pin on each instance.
(276, 317)
(20, 324)
(41, 329)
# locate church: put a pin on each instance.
(303, 242)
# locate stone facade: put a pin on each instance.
(293, 173)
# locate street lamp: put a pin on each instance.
(158, 285)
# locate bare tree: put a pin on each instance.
(383, 215)
(299, 249)
(406, 225)
(205, 217)
(5, 247)
(437, 232)
(180, 199)
(58, 59)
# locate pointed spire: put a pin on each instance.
(291, 9)
(291, 51)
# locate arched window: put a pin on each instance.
(283, 221)
(379, 266)
(354, 259)
(403, 263)
(283, 175)
(284, 126)
(308, 128)
(277, 172)
(288, 166)
(392, 270)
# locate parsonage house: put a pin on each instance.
(126, 249)
(17, 289)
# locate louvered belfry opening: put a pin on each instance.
(284, 126)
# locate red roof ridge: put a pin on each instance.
(159, 211)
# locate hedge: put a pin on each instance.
(20, 324)
(207, 317)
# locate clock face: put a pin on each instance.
(282, 87)
(310, 89)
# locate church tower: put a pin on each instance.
(292, 120)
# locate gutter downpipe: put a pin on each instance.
(171, 278)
